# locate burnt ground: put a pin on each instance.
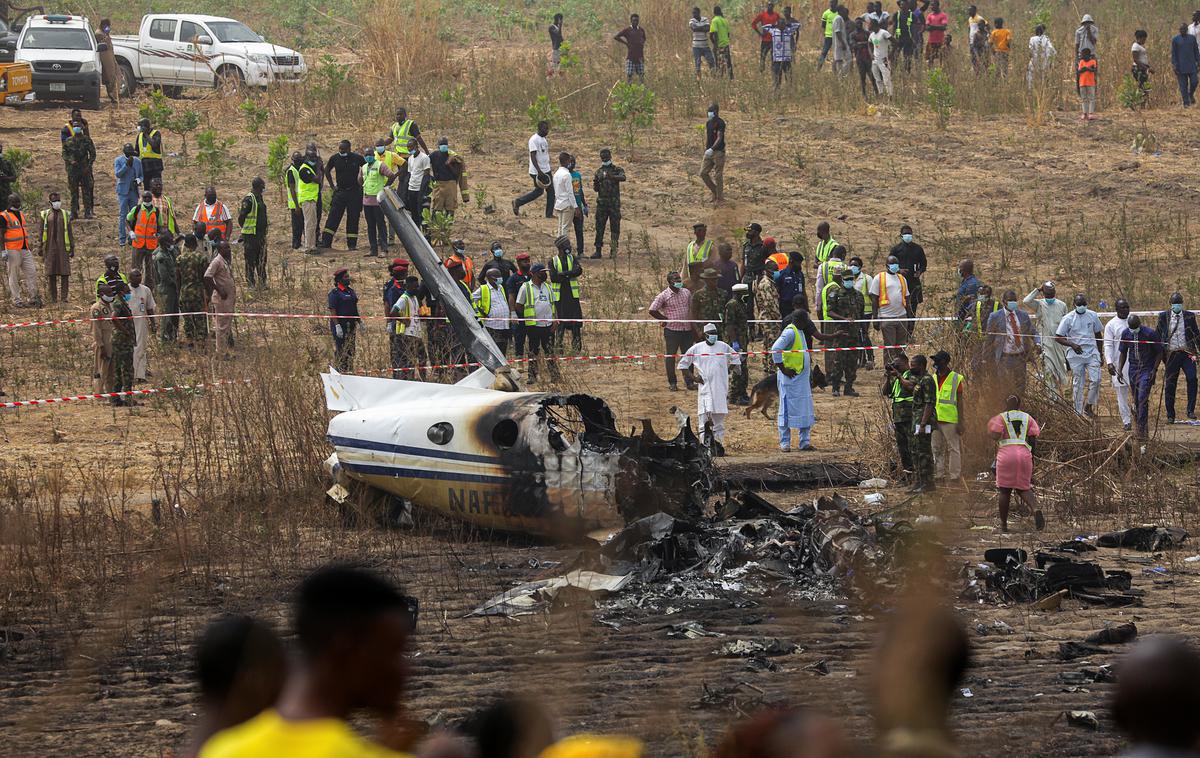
(123, 687)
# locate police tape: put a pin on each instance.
(122, 394)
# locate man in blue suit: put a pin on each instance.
(1180, 340)
(1009, 342)
(128, 169)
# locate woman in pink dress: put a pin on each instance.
(1015, 431)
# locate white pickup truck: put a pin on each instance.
(176, 50)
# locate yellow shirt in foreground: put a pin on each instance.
(1001, 39)
(268, 735)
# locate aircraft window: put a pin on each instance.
(504, 434)
(440, 433)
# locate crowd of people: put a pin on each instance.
(348, 665)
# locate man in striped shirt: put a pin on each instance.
(673, 307)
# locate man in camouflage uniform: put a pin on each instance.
(192, 264)
(166, 285)
(924, 415)
(736, 321)
(845, 310)
(79, 153)
(708, 303)
(124, 339)
(898, 382)
(766, 309)
(607, 184)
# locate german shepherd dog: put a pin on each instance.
(767, 390)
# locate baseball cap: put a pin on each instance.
(399, 263)
(741, 287)
(522, 256)
(754, 227)
(710, 328)
(538, 267)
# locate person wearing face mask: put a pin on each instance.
(112, 275)
(1112, 358)
(124, 344)
(150, 150)
(416, 193)
(449, 173)
(166, 209)
(1048, 311)
(565, 270)
(218, 280)
(1181, 344)
(1141, 352)
(862, 283)
(303, 189)
(968, 288)
(343, 320)
(911, 257)
(252, 218)
(924, 415)
(79, 154)
(102, 335)
(607, 185)
(144, 224)
(141, 302)
(313, 158)
(57, 247)
(407, 331)
(342, 172)
(127, 168)
(1009, 343)
(212, 214)
(673, 306)
(18, 255)
(707, 365)
(374, 175)
(889, 300)
(790, 357)
(949, 419)
(109, 73)
(491, 303)
(494, 258)
(1083, 334)
(712, 169)
(735, 319)
(844, 312)
(166, 285)
(536, 302)
(458, 257)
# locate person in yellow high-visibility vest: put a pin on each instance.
(825, 243)
(699, 249)
(947, 446)
(793, 363)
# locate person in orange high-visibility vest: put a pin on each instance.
(144, 223)
(18, 256)
(212, 214)
(889, 296)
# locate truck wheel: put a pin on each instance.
(230, 78)
(127, 83)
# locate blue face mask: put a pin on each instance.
(498, 253)
(1177, 307)
(711, 114)
(379, 150)
(1081, 309)
(710, 339)
(1011, 305)
(848, 283)
(856, 270)
(127, 297)
(677, 285)
(606, 163)
(443, 148)
(906, 237)
(370, 159)
(1049, 301)
(893, 268)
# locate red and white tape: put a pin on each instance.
(126, 393)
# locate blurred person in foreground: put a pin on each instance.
(785, 733)
(352, 628)
(1157, 698)
(240, 667)
(510, 727)
(1015, 432)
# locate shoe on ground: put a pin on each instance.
(595, 257)
(785, 448)
(1191, 416)
(807, 449)
(516, 208)
(673, 387)
(850, 393)
(1128, 427)
(1170, 419)
(1039, 520)
(837, 392)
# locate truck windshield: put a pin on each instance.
(232, 31)
(57, 39)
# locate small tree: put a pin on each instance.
(20, 160)
(183, 124)
(633, 105)
(278, 158)
(939, 93)
(330, 81)
(255, 115)
(212, 154)
(544, 109)
(158, 109)
(439, 227)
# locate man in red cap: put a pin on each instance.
(343, 319)
(512, 287)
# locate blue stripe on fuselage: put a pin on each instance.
(423, 452)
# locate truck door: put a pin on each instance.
(195, 48)
(158, 58)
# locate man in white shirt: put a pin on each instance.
(1081, 332)
(1041, 56)
(1112, 358)
(418, 171)
(539, 171)
(881, 47)
(889, 297)
(491, 303)
(536, 306)
(707, 364)
(701, 47)
(141, 305)
(565, 206)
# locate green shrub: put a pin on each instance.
(633, 105)
(939, 93)
(544, 109)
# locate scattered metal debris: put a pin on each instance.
(1114, 635)
(1008, 577)
(767, 646)
(1147, 538)
(535, 597)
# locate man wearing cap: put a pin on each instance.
(459, 256)
(565, 271)
(513, 285)
(673, 306)
(707, 364)
(708, 303)
(491, 303)
(735, 319)
(699, 249)
(343, 320)
(844, 310)
(754, 253)
(393, 288)
(536, 304)
(1048, 312)
(1086, 36)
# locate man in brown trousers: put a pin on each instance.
(57, 247)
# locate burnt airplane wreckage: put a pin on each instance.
(537, 463)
